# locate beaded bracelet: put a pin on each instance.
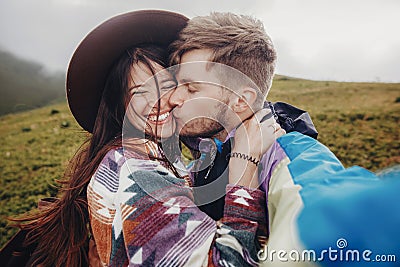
(243, 156)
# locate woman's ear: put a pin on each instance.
(244, 99)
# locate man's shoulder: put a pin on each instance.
(292, 118)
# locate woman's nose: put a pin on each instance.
(164, 99)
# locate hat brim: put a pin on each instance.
(97, 52)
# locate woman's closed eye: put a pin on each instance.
(138, 90)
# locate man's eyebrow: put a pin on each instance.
(186, 80)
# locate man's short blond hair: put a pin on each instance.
(238, 41)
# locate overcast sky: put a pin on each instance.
(344, 40)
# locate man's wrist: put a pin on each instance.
(244, 156)
(243, 173)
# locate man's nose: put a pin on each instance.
(177, 98)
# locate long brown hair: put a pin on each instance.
(61, 230)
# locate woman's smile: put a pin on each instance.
(162, 118)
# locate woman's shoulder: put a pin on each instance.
(116, 157)
(119, 155)
(113, 159)
(105, 178)
(107, 175)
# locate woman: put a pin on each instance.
(125, 194)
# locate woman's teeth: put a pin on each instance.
(161, 117)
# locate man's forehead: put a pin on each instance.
(193, 65)
(193, 71)
(196, 55)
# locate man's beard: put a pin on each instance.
(206, 127)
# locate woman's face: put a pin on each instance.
(143, 107)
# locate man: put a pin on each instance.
(241, 44)
(301, 178)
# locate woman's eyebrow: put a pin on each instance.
(135, 86)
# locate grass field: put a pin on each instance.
(357, 121)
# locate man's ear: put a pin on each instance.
(244, 99)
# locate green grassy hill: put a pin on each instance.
(357, 121)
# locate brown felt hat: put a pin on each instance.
(96, 54)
